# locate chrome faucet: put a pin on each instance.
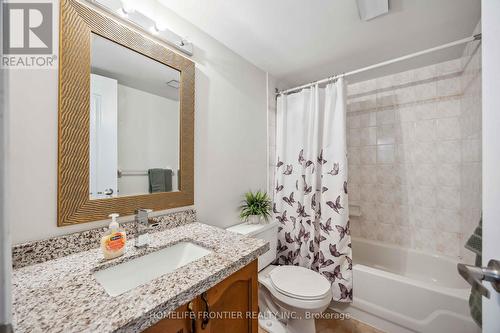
(141, 224)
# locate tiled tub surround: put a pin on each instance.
(39, 251)
(406, 155)
(62, 295)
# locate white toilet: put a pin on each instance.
(289, 296)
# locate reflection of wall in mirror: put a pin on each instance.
(103, 136)
(148, 137)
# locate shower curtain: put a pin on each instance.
(310, 195)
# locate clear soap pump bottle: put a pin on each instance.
(114, 240)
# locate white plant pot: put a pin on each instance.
(254, 219)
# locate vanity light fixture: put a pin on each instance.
(128, 6)
(160, 26)
(154, 30)
(125, 11)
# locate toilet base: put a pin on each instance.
(271, 324)
(301, 326)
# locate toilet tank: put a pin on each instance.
(267, 232)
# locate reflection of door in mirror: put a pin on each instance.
(103, 136)
(135, 122)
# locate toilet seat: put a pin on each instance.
(297, 302)
(299, 283)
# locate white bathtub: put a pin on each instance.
(400, 291)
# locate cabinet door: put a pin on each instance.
(178, 322)
(232, 304)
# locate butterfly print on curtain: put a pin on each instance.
(303, 235)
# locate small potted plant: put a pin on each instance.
(255, 207)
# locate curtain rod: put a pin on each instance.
(384, 63)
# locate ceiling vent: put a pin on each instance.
(173, 84)
(369, 9)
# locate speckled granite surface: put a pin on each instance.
(47, 249)
(62, 295)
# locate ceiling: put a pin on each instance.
(132, 69)
(299, 41)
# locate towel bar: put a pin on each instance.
(121, 173)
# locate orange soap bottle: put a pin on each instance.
(114, 240)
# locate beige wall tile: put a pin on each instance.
(423, 129)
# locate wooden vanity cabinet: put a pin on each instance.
(232, 303)
(179, 321)
(230, 306)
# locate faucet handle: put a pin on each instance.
(142, 212)
(142, 226)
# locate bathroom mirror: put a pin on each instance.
(126, 119)
(134, 122)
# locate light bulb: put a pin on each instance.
(154, 30)
(128, 7)
(161, 26)
(122, 12)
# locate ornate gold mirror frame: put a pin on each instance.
(77, 23)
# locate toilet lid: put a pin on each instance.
(299, 282)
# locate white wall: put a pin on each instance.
(148, 137)
(5, 253)
(230, 136)
(491, 153)
(271, 133)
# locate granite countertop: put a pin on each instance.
(62, 295)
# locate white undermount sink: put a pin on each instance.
(131, 274)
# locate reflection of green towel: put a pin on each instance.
(475, 244)
(160, 180)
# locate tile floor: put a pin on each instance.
(343, 326)
(340, 326)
